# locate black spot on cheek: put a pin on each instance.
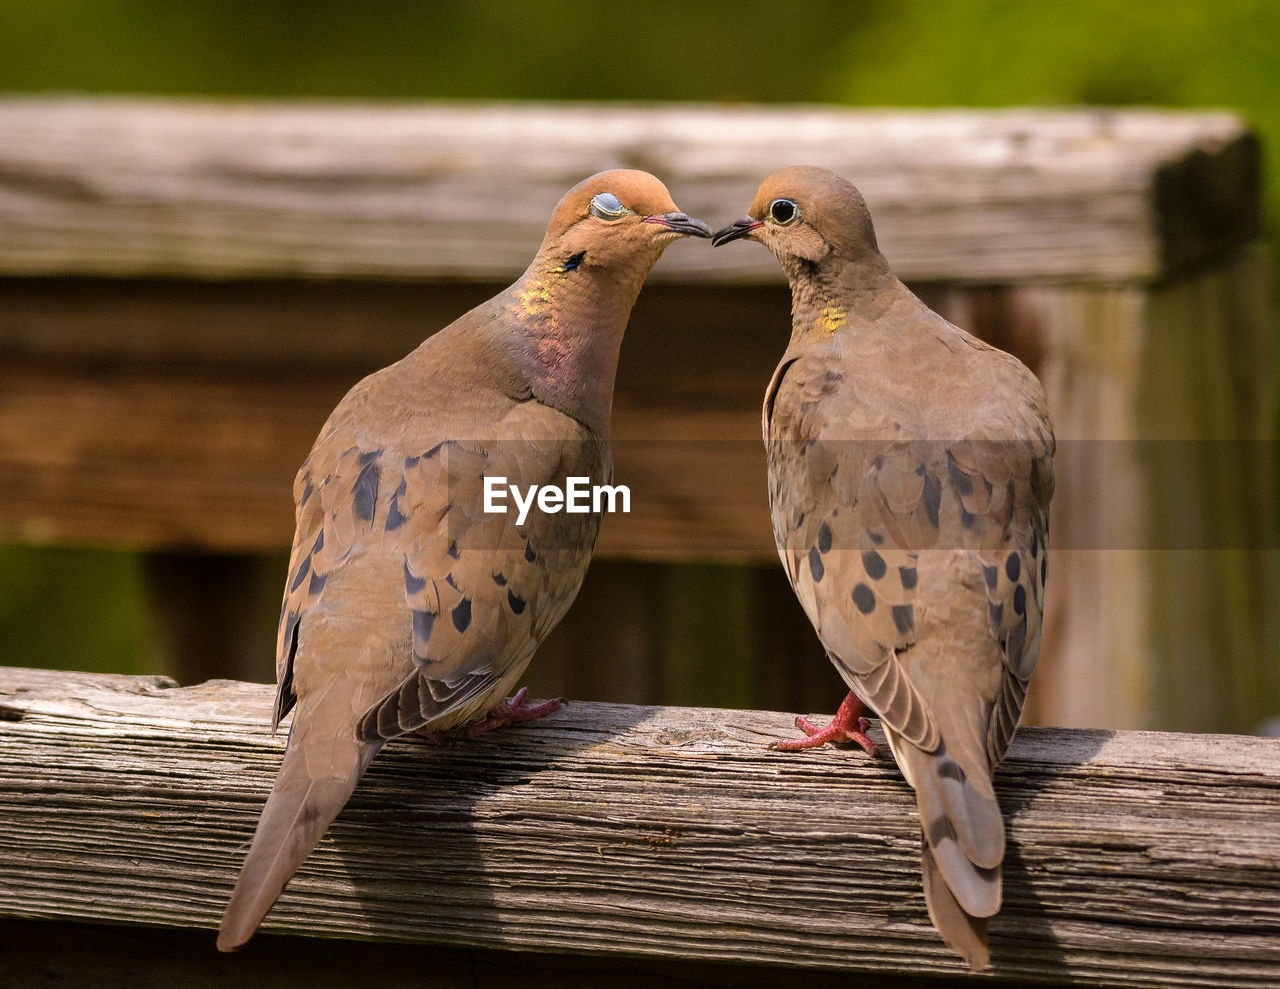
(864, 598)
(908, 576)
(517, 604)
(1035, 544)
(875, 537)
(904, 618)
(500, 580)
(816, 569)
(1013, 566)
(824, 538)
(454, 551)
(461, 615)
(529, 554)
(874, 564)
(1020, 599)
(992, 576)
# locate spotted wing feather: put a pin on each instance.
(482, 591)
(335, 506)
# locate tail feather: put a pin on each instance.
(963, 844)
(963, 827)
(963, 933)
(299, 811)
(977, 823)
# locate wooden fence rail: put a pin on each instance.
(634, 839)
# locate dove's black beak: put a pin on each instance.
(735, 230)
(681, 223)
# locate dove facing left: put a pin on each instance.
(910, 473)
(407, 608)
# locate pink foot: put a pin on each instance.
(847, 726)
(507, 712)
(512, 711)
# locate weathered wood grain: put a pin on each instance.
(462, 190)
(1135, 859)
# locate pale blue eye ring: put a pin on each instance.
(783, 212)
(607, 206)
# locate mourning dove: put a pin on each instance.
(407, 606)
(910, 472)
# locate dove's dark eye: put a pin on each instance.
(607, 206)
(783, 212)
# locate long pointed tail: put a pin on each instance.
(964, 934)
(962, 847)
(299, 811)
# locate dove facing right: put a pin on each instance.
(410, 606)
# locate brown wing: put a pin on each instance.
(334, 512)
(1004, 487)
(853, 567)
(482, 590)
(853, 509)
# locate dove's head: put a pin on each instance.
(621, 219)
(809, 217)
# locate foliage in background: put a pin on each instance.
(499, 49)
(1181, 53)
(73, 610)
(86, 610)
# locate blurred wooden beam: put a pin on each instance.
(228, 189)
(168, 415)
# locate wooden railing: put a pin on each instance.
(663, 842)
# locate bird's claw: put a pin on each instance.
(512, 711)
(848, 726)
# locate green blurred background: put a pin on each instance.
(89, 610)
